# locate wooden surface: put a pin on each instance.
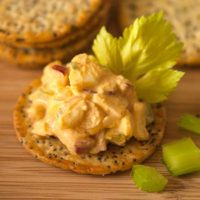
(24, 177)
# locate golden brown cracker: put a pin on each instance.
(37, 21)
(28, 58)
(95, 20)
(51, 151)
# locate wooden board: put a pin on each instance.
(24, 177)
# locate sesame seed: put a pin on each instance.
(158, 106)
(116, 162)
(19, 39)
(54, 34)
(152, 140)
(99, 158)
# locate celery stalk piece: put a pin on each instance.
(181, 156)
(148, 178)
(190, 123)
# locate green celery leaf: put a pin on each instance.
(144, 54)
(156, 84)
(190, 123)
(106, 49)
(147, 44)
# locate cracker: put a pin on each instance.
(184, 16)
(36, 21)
(99, 15)
(51, 151)
(34, 58)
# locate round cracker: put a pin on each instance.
(184, 16)
(42, 21)
(51, 151)
(96, 19)
(32, 58)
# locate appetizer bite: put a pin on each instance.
(101, 114)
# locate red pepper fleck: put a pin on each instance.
(60, 68)
(84, 146)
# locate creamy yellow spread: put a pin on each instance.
(86, 107)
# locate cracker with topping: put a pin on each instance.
(31, 121)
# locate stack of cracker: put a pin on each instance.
(36, 32)
(183, 14)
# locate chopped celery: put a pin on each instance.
(181, 156)
(190, 122)
(148, 178)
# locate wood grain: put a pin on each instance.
(24, 177)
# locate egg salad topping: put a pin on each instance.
(86, 107)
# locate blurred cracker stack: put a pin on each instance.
(36, 32)
(183, 14)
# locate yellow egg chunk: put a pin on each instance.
(87, 107)
(54, 77)
(81, 76)
(73, 112)
(92, 124)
